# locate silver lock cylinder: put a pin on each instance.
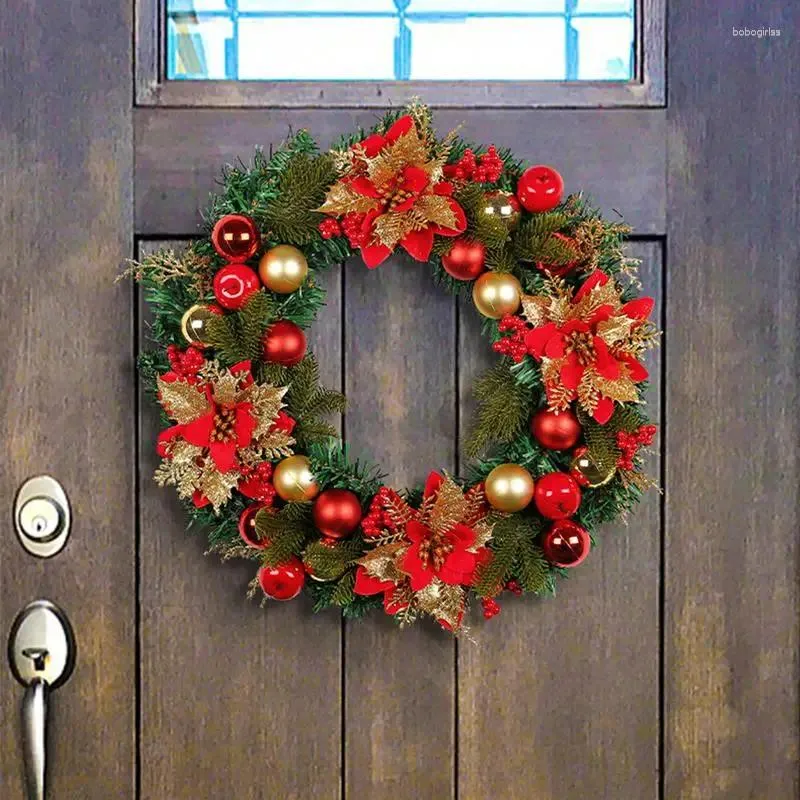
(42, 516)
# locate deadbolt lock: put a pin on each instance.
(42, 516)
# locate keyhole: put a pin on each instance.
(38, 655)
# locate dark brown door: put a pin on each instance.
(667, 669)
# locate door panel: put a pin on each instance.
(560, 697)
(236, 701)
(618, 156)
(66, 406)
(418, 707)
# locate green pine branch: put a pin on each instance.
(287, 531)
(238, 336)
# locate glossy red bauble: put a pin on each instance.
(336, 513)
(566, 544)
(235, 237)
(556, 430)
(284, 343)
(557, 495)
(247, 527)
(284, 581)
(234, 285)
(465, 260)
(540, 189)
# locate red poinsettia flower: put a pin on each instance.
(401, 195)
(367, 585)
(444, 555)
(579, 345)
(222, 430)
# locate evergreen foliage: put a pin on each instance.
(504, 408)
(238, 336)
(287, 531)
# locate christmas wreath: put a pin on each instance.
(560, 425)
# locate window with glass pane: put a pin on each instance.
(283, 40)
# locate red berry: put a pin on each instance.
(491, 608)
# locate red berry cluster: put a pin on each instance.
(486, 168)
(377, 520)
(185, 364)
(257, 482)
(491, 608)
(353, 229)
(629, 443)
(513, 345)
(329, 227)
(514, 588)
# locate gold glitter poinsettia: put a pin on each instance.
(392, 191)
(226, 423)
(589, 343)
(426, 556)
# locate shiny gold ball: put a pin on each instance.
(509, 487)
(496, 294)
(503, 206)
(194, 321)
(294, 481)
(594, 473)
(283, 269)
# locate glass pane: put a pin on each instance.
(298, 48)
(604, 48)
(533, 49)
(569, 40)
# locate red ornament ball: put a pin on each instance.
(556, 430)
(284, 581)
(557, 495)
(284, 343)
(465, 260)
(235, 237)
(540, 188)
(336, 513)
(234, 285)
(247, 527)
(566, 544)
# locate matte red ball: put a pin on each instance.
(556, 430)
(566, 544)
(235, 237)
(337, 512)
(540, 188)
(465, 260)
(557, 495)
(234, 285)
(284, 343)
(247, 527)
(284, 581)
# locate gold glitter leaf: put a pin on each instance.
(381, 563)
(267, 401)
(623, 389)
(535, 309)
(450, 507)
(436, 210)
(182, 401)
(615, 329)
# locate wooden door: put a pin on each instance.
(666, 669)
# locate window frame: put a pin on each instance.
(647, 88)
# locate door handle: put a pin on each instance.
(41, 653)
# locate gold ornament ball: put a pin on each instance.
(194, 322)
(496, 294)
(503, 206)
(594, 473)
(294, 481)
(283, 269)
(509, 487)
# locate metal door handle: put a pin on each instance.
(41, 652)
(34, 737)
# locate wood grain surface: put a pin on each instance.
(66, 405)
(618, 156)
(400, 336)
(733, 557)
(237, 701)
(559, 697)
